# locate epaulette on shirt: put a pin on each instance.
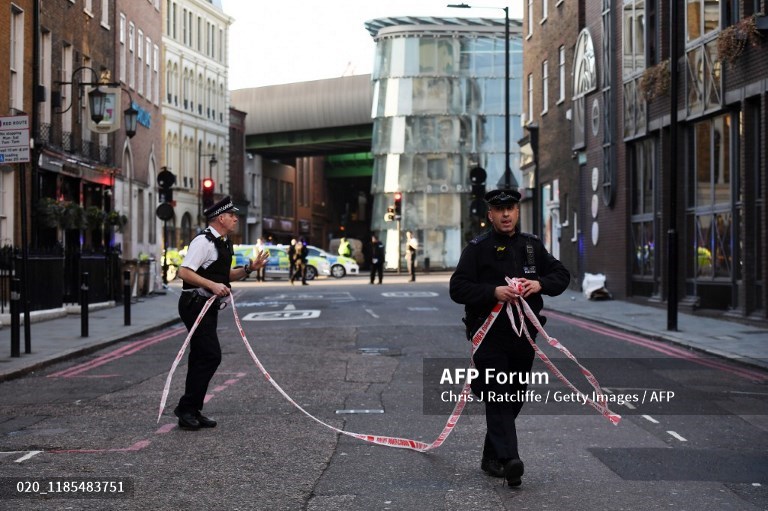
(481, 238)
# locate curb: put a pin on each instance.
(656, 336)
(63, 356)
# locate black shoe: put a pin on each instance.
(205, 422)
(304, 284)
(492, 467)
(187, 420)
(513, 471)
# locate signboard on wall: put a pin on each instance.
(14, 139)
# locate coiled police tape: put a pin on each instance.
(525, 311)
(403, 443)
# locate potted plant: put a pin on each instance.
(655, 80)
(733, 40)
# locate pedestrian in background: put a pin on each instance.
(479, 284)
(301, 254)
(260, 271)
(377, 259)
(344, 248)
(292, 259)
(206, 271)
(411, 246)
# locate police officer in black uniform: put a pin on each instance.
(206, 271)
(479, 283)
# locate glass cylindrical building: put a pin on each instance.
(439, 111)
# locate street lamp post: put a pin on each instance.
(213, 161)
(507, 169)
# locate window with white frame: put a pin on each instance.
(213, 41)
(148, 64)
(131, 56)
(530, 97)
(561, 69)
(530, 17)
(189, 23)
(121, 70)
(105, 13)
(16, 99)
(543, 10)
(156, 71)
(199, 33)
(184, 26)
(88, 7)
(46, 79)
(83, 114)
(544, 87)
(67, 56)
(140, 63)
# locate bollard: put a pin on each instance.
(84, 305)
(15, 320)
(127, 297)
(426, 265)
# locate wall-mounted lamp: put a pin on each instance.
(103, 97)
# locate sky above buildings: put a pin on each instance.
(286, 41)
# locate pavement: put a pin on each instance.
(58, 339)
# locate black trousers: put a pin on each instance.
(377, 268)
(505, 353)
(412, 264)
(204, 350)
(299, 272)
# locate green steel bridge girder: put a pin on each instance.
(330, 138)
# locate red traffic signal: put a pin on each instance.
(208, 187)
(398, 205)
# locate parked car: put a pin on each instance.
(340, 265)
(278, 264)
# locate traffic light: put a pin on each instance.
(208, 187)
(477, 178)
(390, 214)
(165, 181)
(398, 205)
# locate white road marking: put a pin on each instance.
(649, 418)
(369, 311)
(677, 436)
(27, 456)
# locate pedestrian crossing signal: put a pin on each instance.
(389, 216)
(398, 205)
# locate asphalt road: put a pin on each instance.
(364, 358)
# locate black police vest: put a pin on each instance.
(218, 271)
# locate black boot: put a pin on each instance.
(513, 471)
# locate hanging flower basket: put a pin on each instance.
(61, 214)
(732, 41)
(655, 81)
(116, 220)
(94, 217)
(50, 212)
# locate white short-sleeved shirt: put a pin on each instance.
(201, 254)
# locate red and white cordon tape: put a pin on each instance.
(525, 311)
(403, 443)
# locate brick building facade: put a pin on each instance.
(627, 163)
